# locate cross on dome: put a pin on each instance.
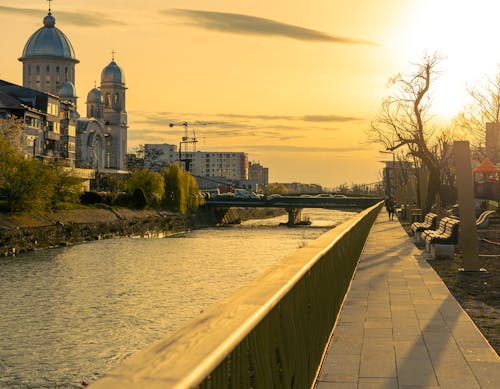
(49, 5)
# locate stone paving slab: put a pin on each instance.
(400, 327)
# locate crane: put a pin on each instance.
(186, 140)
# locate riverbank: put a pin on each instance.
(20, 232)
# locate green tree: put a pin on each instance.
(276, 189)
(181, 190)
(151, 183)
(12, 131)
(67, 187)
(29, 185)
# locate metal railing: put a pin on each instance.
(270, 334)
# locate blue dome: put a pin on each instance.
(94, 96)
(67, 89)
(49, 41)
(113, 73)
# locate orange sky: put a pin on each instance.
(292, 83)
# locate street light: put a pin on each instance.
(390, 176)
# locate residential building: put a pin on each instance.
(492, 142)
(231, 165)
(48, 121)
(258, 173)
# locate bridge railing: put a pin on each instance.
(271, 333)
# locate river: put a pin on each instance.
(69, 314)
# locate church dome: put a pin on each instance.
(67, 89)
(112, 73)
(49, 41)
(94, 96)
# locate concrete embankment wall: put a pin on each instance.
(25, 232)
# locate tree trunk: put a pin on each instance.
(433, 189)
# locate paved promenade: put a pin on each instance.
(401, 328)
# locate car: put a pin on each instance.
(339, 196)
(324, 195)
(273, 196)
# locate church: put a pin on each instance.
(97, 141)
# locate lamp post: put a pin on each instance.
(390, 176)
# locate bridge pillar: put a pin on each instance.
(294, 216)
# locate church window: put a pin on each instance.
(66, 74)
(91, 111)
(117, 99)
(29, 69)
(48, 69)
(37, 69)
(108, 100)
(58, 74)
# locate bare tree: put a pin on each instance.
(484, 108)
(403, 120)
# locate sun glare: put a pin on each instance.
(462, 31)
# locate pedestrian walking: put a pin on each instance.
(389, 206)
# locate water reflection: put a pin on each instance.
(72, 313)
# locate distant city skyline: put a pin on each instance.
(293, 84)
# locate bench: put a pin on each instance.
(443, 244)
(484, 219)
(429, 223)
(439, 230)
(419, 238)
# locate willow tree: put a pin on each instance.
(151, 183)
(403, 120)
(181, 190)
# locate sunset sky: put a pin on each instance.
(294, 84)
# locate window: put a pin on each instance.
(116, 99)
(108, 100)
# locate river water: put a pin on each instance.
(69, 314)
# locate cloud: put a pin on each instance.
(305, 118)
(220, 119)
(80, 18)
(252, 25)
(301, 149)
(329, 118)
(153, 127)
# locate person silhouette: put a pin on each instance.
(389, 206)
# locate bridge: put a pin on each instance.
(358, 307)
(292, 204)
